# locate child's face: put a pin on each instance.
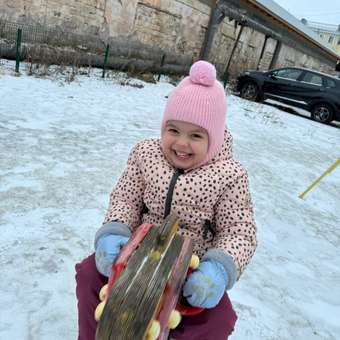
(185, 145)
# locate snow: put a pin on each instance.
(63, 145)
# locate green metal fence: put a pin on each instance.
(55, 46)
(37, 34)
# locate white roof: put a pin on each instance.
(276, 9)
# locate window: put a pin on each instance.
(329, 82)
(312, 78)
(288, 73)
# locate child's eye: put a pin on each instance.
(197, 136)
(172, 130)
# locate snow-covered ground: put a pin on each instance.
(62, 147)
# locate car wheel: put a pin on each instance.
(322, 113)
(250, 91)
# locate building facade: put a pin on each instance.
(327, 32)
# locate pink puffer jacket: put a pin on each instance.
(212, 201)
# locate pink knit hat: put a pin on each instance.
(200, 99)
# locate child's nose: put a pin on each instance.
(182, 140)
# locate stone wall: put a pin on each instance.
(83, 16)
(176, 25)
(247, 52)
(268, 53)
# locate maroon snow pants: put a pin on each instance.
(212, 324)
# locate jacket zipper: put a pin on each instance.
(170, 193)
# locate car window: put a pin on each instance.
(312, 78)
(288, 73)
(329, 82)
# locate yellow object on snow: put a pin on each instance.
(318, 180)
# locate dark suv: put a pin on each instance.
(316, 92)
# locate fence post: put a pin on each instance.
(226, 72)
(225, 79)
(105, 59)
(17, 53)
(162, 63)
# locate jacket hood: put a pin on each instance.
(227, 148)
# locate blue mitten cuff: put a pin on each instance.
(114, 228)
(108, 242)
(226, 261)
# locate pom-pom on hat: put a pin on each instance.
(200, 99)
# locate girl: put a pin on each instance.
(189, 171)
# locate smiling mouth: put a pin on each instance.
(182, 155)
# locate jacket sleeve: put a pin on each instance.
(126, 199)
(235, 239)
